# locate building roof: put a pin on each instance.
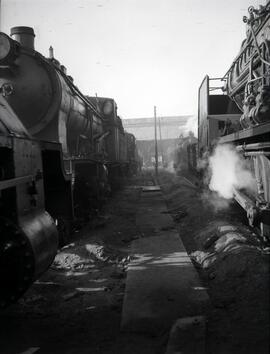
(143, 128)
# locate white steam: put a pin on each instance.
(229, 170)
(190, 126)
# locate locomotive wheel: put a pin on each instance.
(16, 263)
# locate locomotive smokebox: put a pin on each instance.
(24, 35)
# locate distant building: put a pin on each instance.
(143, 128)
(170, 128)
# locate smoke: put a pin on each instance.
(229, 170)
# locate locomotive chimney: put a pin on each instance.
(24, 35)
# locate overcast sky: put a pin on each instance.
(140, 52)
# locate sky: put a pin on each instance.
(140, 52)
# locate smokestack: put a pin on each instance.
(24, 35)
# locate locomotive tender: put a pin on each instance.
(240, 114)
(59, 152)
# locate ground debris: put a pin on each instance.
(210, 241)
(179, 215)
(103, 253)
(234, 265)
(71, 295)
(35, 298)
(187, 336)
(31, 350)
(70, 245)
(64, 261)
(223, 242)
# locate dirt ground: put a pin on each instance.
(76, 306)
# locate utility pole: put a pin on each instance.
(156, 148)
(160, 139)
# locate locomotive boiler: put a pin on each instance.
(235, 110)
(60, 153)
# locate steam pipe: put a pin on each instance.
(255, 146)
(248, 205)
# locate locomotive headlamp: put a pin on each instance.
(7, 49)
(108, 107)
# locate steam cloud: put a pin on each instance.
(191, 126)
(229, 170)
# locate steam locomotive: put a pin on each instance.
(235, 110)
(60, 154)
(185, 156)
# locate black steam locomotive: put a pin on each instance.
(235, 110)
(60, 154)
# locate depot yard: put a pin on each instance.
(158, 271)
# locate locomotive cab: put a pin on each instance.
(218, 115)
